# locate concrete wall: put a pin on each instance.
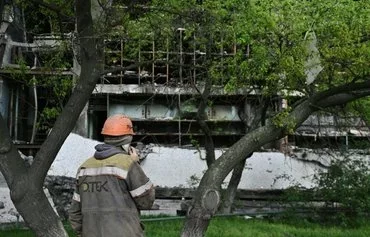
(176, 167)
(179, 167)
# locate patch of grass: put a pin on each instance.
(24, 232)
(16, 233)
(235, 227)
(240, 227)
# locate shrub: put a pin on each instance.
(345, 186)
(341, 195)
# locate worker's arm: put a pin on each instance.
(140, 187)
(75, 216)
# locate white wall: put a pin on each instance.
(173, 167)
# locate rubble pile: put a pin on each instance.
(143, 150)
(61, 190)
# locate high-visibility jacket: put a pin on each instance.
(109, 191)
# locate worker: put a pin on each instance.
(111, 187)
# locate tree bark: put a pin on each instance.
(204, 205)
(256, 138)
(36, 210)
(201, 119)
(229, 197)
(232, 188)
(197, 223)
(28, 198)
(26, 184)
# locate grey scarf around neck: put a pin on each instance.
(121, 141)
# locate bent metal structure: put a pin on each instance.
(161, 102)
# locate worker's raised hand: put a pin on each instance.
(133, 154)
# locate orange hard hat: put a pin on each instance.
(118, 125)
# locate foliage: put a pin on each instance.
(344, 189)
(54, 88)
(57, 86)
(41, 20)
(360, 108)
(261, 45)
(347, 185)
(258, 44)
(188, 109)
(280, 120)
(193, 181)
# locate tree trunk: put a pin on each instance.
(204, 206)
(197, 223)
(35, 208)
(229, 197)
(27, 196)
(250, 123)
(218, 171)
(216, 174)
(26, 184)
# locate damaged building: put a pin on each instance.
(161, 96)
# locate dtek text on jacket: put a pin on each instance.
(110, 189)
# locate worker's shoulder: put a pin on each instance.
(122, 161)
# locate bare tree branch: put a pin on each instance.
(201, 119)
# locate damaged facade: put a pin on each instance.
(160, 97)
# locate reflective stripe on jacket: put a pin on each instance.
(108, 194)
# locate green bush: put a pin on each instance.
(346, 188)
(341, 195)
